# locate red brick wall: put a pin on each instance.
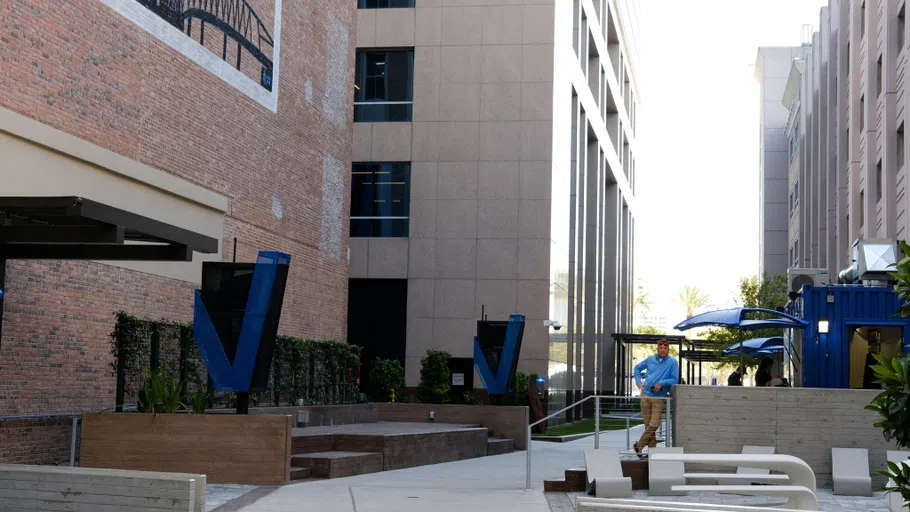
(82, 68)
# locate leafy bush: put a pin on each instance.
(199, 400)
(435, 377)
(161, 393)
(894, 376)
(386, 376)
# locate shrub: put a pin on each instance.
(435, 378)
(894, 376)
(161, 393)
(386, 376)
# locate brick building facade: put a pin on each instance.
(165, 126)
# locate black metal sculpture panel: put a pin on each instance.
(232, 29)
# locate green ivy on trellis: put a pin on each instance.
(320, 372)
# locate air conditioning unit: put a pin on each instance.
(798, 277)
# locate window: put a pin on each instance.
(791, 203)
(862, 20)
(878, 76)
(795, 257)
(380, 199)
(862, 113)
(899, 147)
(385, 80)
(878, 181)
(384, 4)
(901, 28)
(862, 209)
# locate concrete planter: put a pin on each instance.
(235, 449)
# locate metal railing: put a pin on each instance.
(665, 420)
(75, 416)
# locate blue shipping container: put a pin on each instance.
(859, 317)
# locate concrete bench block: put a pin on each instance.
(52, 488)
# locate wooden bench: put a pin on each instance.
(53, 488)
(800, 498)
(584, 504)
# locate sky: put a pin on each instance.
(697, 191)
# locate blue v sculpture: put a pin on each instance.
(496, 366)
(256, 338)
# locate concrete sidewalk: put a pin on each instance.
(487, 483)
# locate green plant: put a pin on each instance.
(199, 399)
(386, 376)
(894, 376)
(161, 393)
(902, 276)
(435, 378)
(472, 397)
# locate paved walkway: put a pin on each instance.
(475, 485)
(487, 483)
(827, 501)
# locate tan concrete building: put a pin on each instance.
(847, 106)
(494, 171)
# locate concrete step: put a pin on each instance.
(298, 473)
(312, 444)
(576, 481)
(499, 446)
(334, 464)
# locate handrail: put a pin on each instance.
(597, 417)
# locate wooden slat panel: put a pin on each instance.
(226, 448)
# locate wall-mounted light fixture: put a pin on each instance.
(823, 327)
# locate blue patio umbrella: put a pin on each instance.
(770, 345)
(742, 319)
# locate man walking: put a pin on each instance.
(660, 372)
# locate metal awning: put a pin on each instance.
(67, 228)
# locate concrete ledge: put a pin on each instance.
(86, 489)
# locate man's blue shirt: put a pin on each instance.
(665, 371)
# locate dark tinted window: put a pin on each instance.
(385, 81)
(380, 200)
(384, 4)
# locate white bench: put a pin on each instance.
(745, 475)
(604, 474)
(800, 498)
(45, 488)
(583, 504)
(799, 473)
(663, 475)
(894, 499)
(850, 471)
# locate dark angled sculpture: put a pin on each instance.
(235, 320)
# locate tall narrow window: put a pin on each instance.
(878, 76)
(862, 113)
(862, 209)
(380, 199)
(901, 28)
(899, 147)
(862, 20)
(386, 86)
(878, 181)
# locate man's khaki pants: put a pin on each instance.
(651, 410)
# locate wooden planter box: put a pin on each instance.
(228, 449)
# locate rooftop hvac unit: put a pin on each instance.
(798, 277)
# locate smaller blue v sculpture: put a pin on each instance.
(496, 353)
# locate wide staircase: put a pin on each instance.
(348, 450)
